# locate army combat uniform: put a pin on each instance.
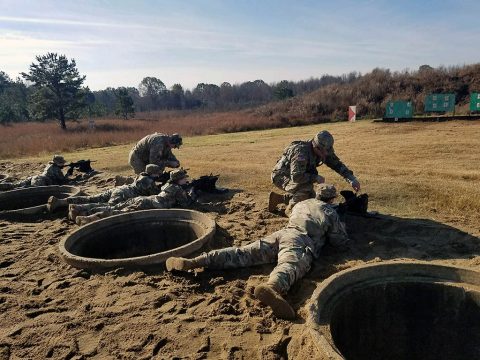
(296, 171)
(144, 185)
(152, 149)
(171, 195)
(51, 175)
(312, 223)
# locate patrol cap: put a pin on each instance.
(58, 160)
(326, 191)
(176, 140)
(323, 140)
(152, 169)
(176, 175)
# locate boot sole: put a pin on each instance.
(280, 307)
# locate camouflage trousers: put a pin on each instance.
(36, 180)
(136, 163)
(295, 192)
(299, 192)
(103, 197)
(105, 210)
(287, 247)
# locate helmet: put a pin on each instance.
(323, 140)
(176, 140)
(176, 175)
(152, 169)
(58, 160)
(326, 191)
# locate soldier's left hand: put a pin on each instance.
(356, 185)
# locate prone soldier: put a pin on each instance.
(172, 194)
(312, 223)
(51, 175)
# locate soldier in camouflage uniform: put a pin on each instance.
(296, 171)
(144, 185)
(155, 149)
(312, 223)
(52, 175)
(171, 195)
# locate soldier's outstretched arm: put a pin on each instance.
(334, 163)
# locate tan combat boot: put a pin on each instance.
(84, 220)
(55, 203)
(184, 264)
(73, 212)
(275, 199)
(269, 296)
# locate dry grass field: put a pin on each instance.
(32, 138)
(427, 170)
(414, 171)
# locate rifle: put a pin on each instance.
(353, 204)
(80, 165)
(205, 183)
(163, 178)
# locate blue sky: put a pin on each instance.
(118, 43)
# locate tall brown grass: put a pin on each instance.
(25, 139)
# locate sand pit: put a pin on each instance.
(32, 200)
(49, 309)
(141, 238)
(398, 311)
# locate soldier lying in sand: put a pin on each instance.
(172, 194)
(312, 223)
(143, 185)
(51, 175)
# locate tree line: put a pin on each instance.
(53, 88)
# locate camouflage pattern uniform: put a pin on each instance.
(296, 171)
(152, 149)
(171, 195)
(312, 223)
(51, 175)
(144, 185)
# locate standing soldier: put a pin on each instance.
(296, 171)
(312, 223)
(52, 175)
(155, 149)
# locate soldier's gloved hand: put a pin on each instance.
(356, 185)
(319, 179)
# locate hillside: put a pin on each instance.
(372, 91)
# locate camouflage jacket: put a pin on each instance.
(54, 174)
(171, 195)
(153, 149)
(174, 195)
(320, 222)
(144, 185)
(299, 164)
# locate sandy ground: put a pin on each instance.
(51, 310)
